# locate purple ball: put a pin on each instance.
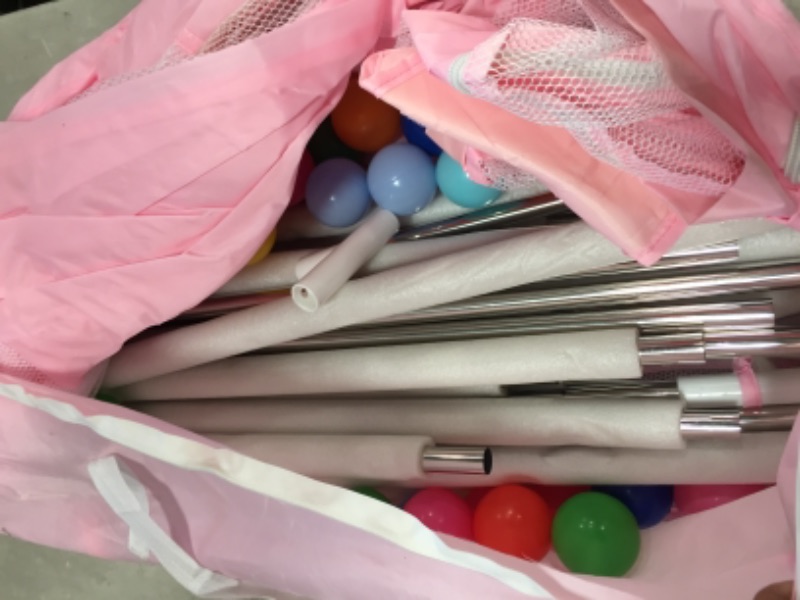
(337, 193)
(402, 179)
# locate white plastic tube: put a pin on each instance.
(711, 390)
(781, 386)
(473, 421)
(516, 261)
(333, 271)
(373, 458)
(606, 354)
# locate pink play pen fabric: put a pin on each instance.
(257, 529)
(144, 171)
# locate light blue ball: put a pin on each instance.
(459, 188)
(401, 179)
(337, 193)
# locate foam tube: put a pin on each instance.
(773, 245)
(604, 354)
(747, 459)
(278, 271)
(785, 302)
(504, 264)
(781, 386)
(372, 458)
(403, 253)
(333, 271)
(518, 421)
(281, 270)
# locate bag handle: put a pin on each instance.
(126, 496)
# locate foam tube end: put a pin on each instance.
(305, 298)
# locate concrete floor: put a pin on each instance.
(30, 43)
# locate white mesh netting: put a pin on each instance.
(252, 19)
(578, 65)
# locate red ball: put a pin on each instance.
(443, 511)
(515, 520)
(475, 495)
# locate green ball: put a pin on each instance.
(596, 534)
(365, 490)
(107, 396)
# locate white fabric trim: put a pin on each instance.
(396, 526)
(124, 493)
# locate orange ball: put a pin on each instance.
(515, 520)
(363, 122)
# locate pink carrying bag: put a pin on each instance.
(144, 171)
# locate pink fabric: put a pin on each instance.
(47, 497)
(760, 189)
(751, 393)
(125, 208)
(617, 204)
(710, 53)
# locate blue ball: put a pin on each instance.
(459, 188)
(415, 134)
(401, 179)
(337, 193)
(648, 503)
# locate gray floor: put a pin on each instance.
(30, 43)
(30, 572)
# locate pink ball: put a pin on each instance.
(443, 511)
(303, 171)
(691, 499)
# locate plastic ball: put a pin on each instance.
(415, 134)
(371, 492)
(514, 520)
(556, 495)
(596, 534)
(325, 145)
(337, 193)
(108, 396)
(650, 504)
(265, 248)
(441, 510)
(401, 179)
(303, 171)
(691, 499)
(455, 183)
(363, 122)
(475, 495)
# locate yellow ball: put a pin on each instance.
(264, 250)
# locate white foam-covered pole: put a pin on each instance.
(281, 270)
(773, 245)
(520, 421)
(504, 264)
(375, 458)
(749, 459)
(607, 354)
(341, 263)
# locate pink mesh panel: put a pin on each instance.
(578, 65)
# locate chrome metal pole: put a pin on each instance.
(466, 460)
(609, 294)
(487, 218)
(673, 318)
